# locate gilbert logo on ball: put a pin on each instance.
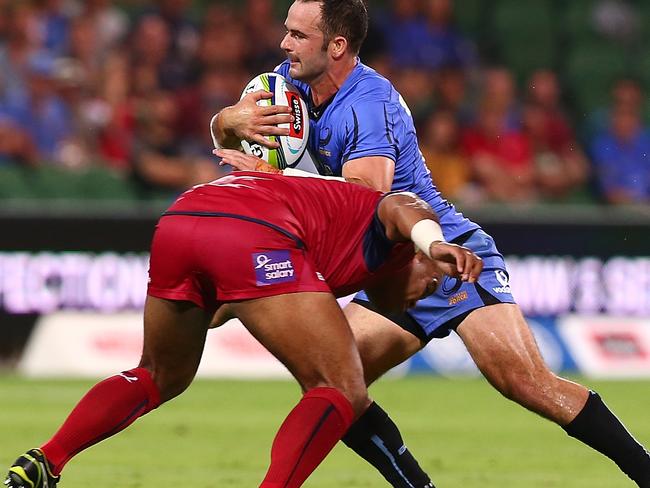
(293, 146)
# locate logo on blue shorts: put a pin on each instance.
(273, 267)
(504, 281)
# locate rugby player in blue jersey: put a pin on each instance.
(361, 129)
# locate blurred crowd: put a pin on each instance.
(92, 83)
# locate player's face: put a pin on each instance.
(303, 42)
(402, 290)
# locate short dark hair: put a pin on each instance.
(347, 18)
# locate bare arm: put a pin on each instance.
(400, 212)
(375, 172)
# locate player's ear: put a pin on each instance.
(338, 47)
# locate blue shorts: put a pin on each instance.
(437, 315)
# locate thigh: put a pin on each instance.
(504, 349)
(174, 336)
(310, 335)
(501, 343)
(382, 343)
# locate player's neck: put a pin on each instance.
(326, 86)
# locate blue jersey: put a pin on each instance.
(368, 117)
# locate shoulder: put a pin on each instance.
(369, 95)
(367, 83)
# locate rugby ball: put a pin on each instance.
(293, 146)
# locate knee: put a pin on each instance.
(170, 381)
(358, 398)
(354, 390)
(528, 388)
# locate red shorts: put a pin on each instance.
(209, 260)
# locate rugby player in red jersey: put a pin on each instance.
(278, 250)
(361, 129)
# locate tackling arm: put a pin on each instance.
(406, 217)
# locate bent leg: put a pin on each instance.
(381, 343)
(504, 349)
(174, 333)
(309, 334)
(374, 436)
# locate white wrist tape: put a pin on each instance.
(424, 233)
(214, 137)
(302, 173)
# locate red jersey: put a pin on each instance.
(333, 224)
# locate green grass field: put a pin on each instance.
(218, 434)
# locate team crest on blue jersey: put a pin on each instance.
(272, 267)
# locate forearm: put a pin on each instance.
(221, 137)
(399, 212)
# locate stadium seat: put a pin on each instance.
(576, 20)
(50, 181)
(525, 33)
(99, 183)
(468, 15)
(514, 19)
(590, 69)
(15, 182)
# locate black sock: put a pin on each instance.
(599, 428)
(376, 438)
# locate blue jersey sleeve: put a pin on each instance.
(369, 131)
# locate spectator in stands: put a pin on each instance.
(442, 44)
(617, 20)
(440, 146)
(183, 39)
(152, 64)
(218, 15)
(20, 44)
(215, 89)
(417, 89)
(452, 93)
(116, 136)
(621, 156)
(498, 86)
(625, 91)
(422, 35)
(500, 156)
(560, 164)
(263, 31)
(42, 113)
(16, 147)
(53, 24)
(402, 24)
(225, 48)
(159, 163)
(110, 24)
(84, 49)
(374, 50)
